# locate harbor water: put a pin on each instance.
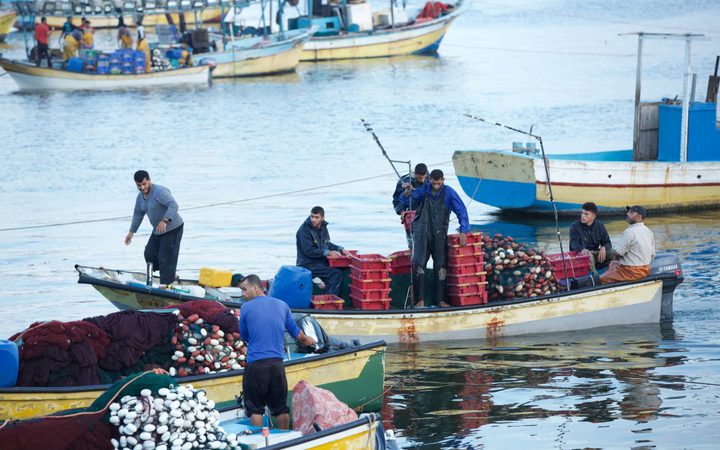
(247, 160)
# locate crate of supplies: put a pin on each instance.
(370, 262)
(468, 299)
(327, 301)
(369, 284)
(340, 261)
(369, 294)
(215, 277)
(472, 238)
(464, 289)
(369, 305)
(577, 264)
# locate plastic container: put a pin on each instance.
(340, 261)
(370, 262)
(293, 285)
(75, 65)
(465, 260)
(577, 265)
(473, 268)
(369, 305)
(465, 250)
(9, 363)
(383, 284)
(466, 279)
(360, 274)
(327, 301)
(472, 238)
(468, 299)
(407, 218)
(369, 294)
(464, 289)
(174, 53)
(215, 277)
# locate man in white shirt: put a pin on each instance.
(634, 251)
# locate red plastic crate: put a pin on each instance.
(368, 305)
(370, 262)
(340, 261)
(465, 250)
(327, 301)
(466, 279)
(473, 268)
(400, 262)
(369, 294)
(468, 299)
(406, 219)
(465, 260)
(577, 265)
(383, 284)
(379, 274)
(463, 289)
(472, 238)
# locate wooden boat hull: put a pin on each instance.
(413, 39)
(7, 19)
(149, 20)
(355, 376)
(258, 57)
(29, 77)
(617, 305)
(516, 182)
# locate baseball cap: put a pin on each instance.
(637, 209)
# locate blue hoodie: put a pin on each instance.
(313, 244)
(452, 201)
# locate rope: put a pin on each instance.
(385, 391)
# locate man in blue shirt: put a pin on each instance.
(163, 247)
(430, 227)
(263, 322)
(406, 211)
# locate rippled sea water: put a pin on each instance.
(267, 146)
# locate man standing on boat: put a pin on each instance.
(635, 250)
(163, 247)
(406, 211)
(589, 236)
(263, 322)
(313, 247)
(42, 33)
(430, 228)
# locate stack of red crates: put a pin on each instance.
(400, 262)
(370, 281)
(465, 271)
(577, 265)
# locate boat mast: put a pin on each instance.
(688, 38)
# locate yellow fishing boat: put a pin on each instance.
(355, 375)
(109, 19)
(7, 19)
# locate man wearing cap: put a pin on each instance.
(589, 236)
(635, 250)
(417, 179)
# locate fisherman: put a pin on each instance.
(435, 202)
(88, 37)
(163, 246)
(313, 247)
(71, 45)
(589, 237)
(263, 322)
(634, 252)
(124, 38)
(42, 33)
(142, 46)
(417, 178)
(68, 27)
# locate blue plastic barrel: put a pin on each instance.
(9, 362)
(75, 65)
(293, 285)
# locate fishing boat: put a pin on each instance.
(355, 375)
(30, 77)
(7, 19)
(674, 164)
(644, 301)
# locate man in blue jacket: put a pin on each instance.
(163, 247)
(417, 179)
(263, 322)
(314, 246)
(432, 218)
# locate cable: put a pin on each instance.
(546, 52)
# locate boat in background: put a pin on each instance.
(7, 19)
(674, 164)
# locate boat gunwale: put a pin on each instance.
(195, 378)
(368, 419)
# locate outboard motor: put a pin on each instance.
(667, 268)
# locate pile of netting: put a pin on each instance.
(143, 411)
(103, 349)
(515, 270)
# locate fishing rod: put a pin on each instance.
(547, 175)
(392, 162)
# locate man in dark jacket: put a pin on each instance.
(314, 246)
(407, 211)
(435, 203)
(589, 236)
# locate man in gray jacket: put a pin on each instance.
(163, 246)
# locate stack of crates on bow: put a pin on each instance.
(465, 271)
(370, 281)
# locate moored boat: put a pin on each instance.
(7, 19)
(30, 77)
(355, 375)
